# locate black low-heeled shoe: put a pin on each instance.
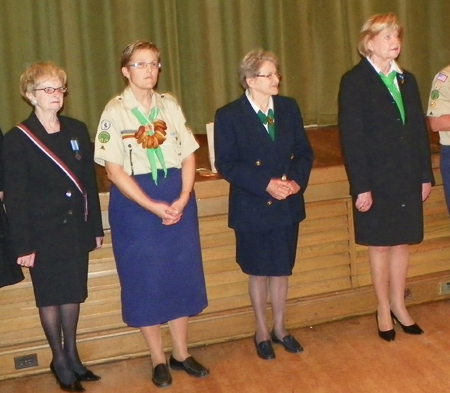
(71, 387)
(289, 343)
(87, 376)
(410, 329)
(387, 335)
(264, 349)
(161, 375)
(190, 366)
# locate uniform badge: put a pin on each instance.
(105, 125)
(434, 94)
(104, 137)
(442, 77)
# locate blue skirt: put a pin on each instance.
(267, 253)
(159, 266)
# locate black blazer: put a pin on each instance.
(382, 154)
(248, 159)
(45, 209)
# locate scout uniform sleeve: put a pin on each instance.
(439, 101)
(108, 141)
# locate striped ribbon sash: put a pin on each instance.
(58, 162)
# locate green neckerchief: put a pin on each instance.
(389, 82)
(152, 154)
(270, 121)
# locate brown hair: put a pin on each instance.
(252, 62)
(373, 26)
(131, 49)
(36, 73)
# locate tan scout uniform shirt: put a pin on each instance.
(115, 140)
(439, 102)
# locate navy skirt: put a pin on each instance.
(159, 266)
(267, 253)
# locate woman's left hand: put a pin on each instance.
(293, 187)
(179, 205)
(98, 242)
(426, 191)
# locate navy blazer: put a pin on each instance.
(248, 159)
(45, 209)
(382, 154)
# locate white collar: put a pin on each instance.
(393, 66)
(255, 107)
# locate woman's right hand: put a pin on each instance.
(26, 260)
(364, 201)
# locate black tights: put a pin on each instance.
(58, 322)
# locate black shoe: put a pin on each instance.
(161, 375)
(190, 365)
(289, 343)
(387, 335)
(264, 349)
(87, 376)
(71, 387)
(411, 329)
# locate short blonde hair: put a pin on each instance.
(373, 26)
(36, 73)
(252, 62)
(131, 49)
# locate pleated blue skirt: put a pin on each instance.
(159, 266)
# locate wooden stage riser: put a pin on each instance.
(331, 279)
(122, 343)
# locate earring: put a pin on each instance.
(33, 102)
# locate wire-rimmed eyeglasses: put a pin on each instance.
(269, 76)
(143, 64)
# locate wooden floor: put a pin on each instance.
(345, 356)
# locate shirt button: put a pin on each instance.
(68, 194)
(403, 205)
(70, 212)
(269, 203)
(65, 221)
(258, 163)
(284, 177)
(292, 157)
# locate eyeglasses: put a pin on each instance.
(269, 76)
(51, 90)
(143, 64)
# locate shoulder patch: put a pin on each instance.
(105, 125)
(434, 95)
(104, 137)
(442, 77)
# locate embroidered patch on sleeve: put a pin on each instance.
(442, 77)
(105, 125)
(104, 137)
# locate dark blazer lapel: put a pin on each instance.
(253, 123)
(35, 126)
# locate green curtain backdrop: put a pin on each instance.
(202, 42)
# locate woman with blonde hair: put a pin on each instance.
(387, 158)
(53, 209)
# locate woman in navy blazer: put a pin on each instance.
(387, 158)
(268, 177)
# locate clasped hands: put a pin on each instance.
(171, 214)
(280, 189)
